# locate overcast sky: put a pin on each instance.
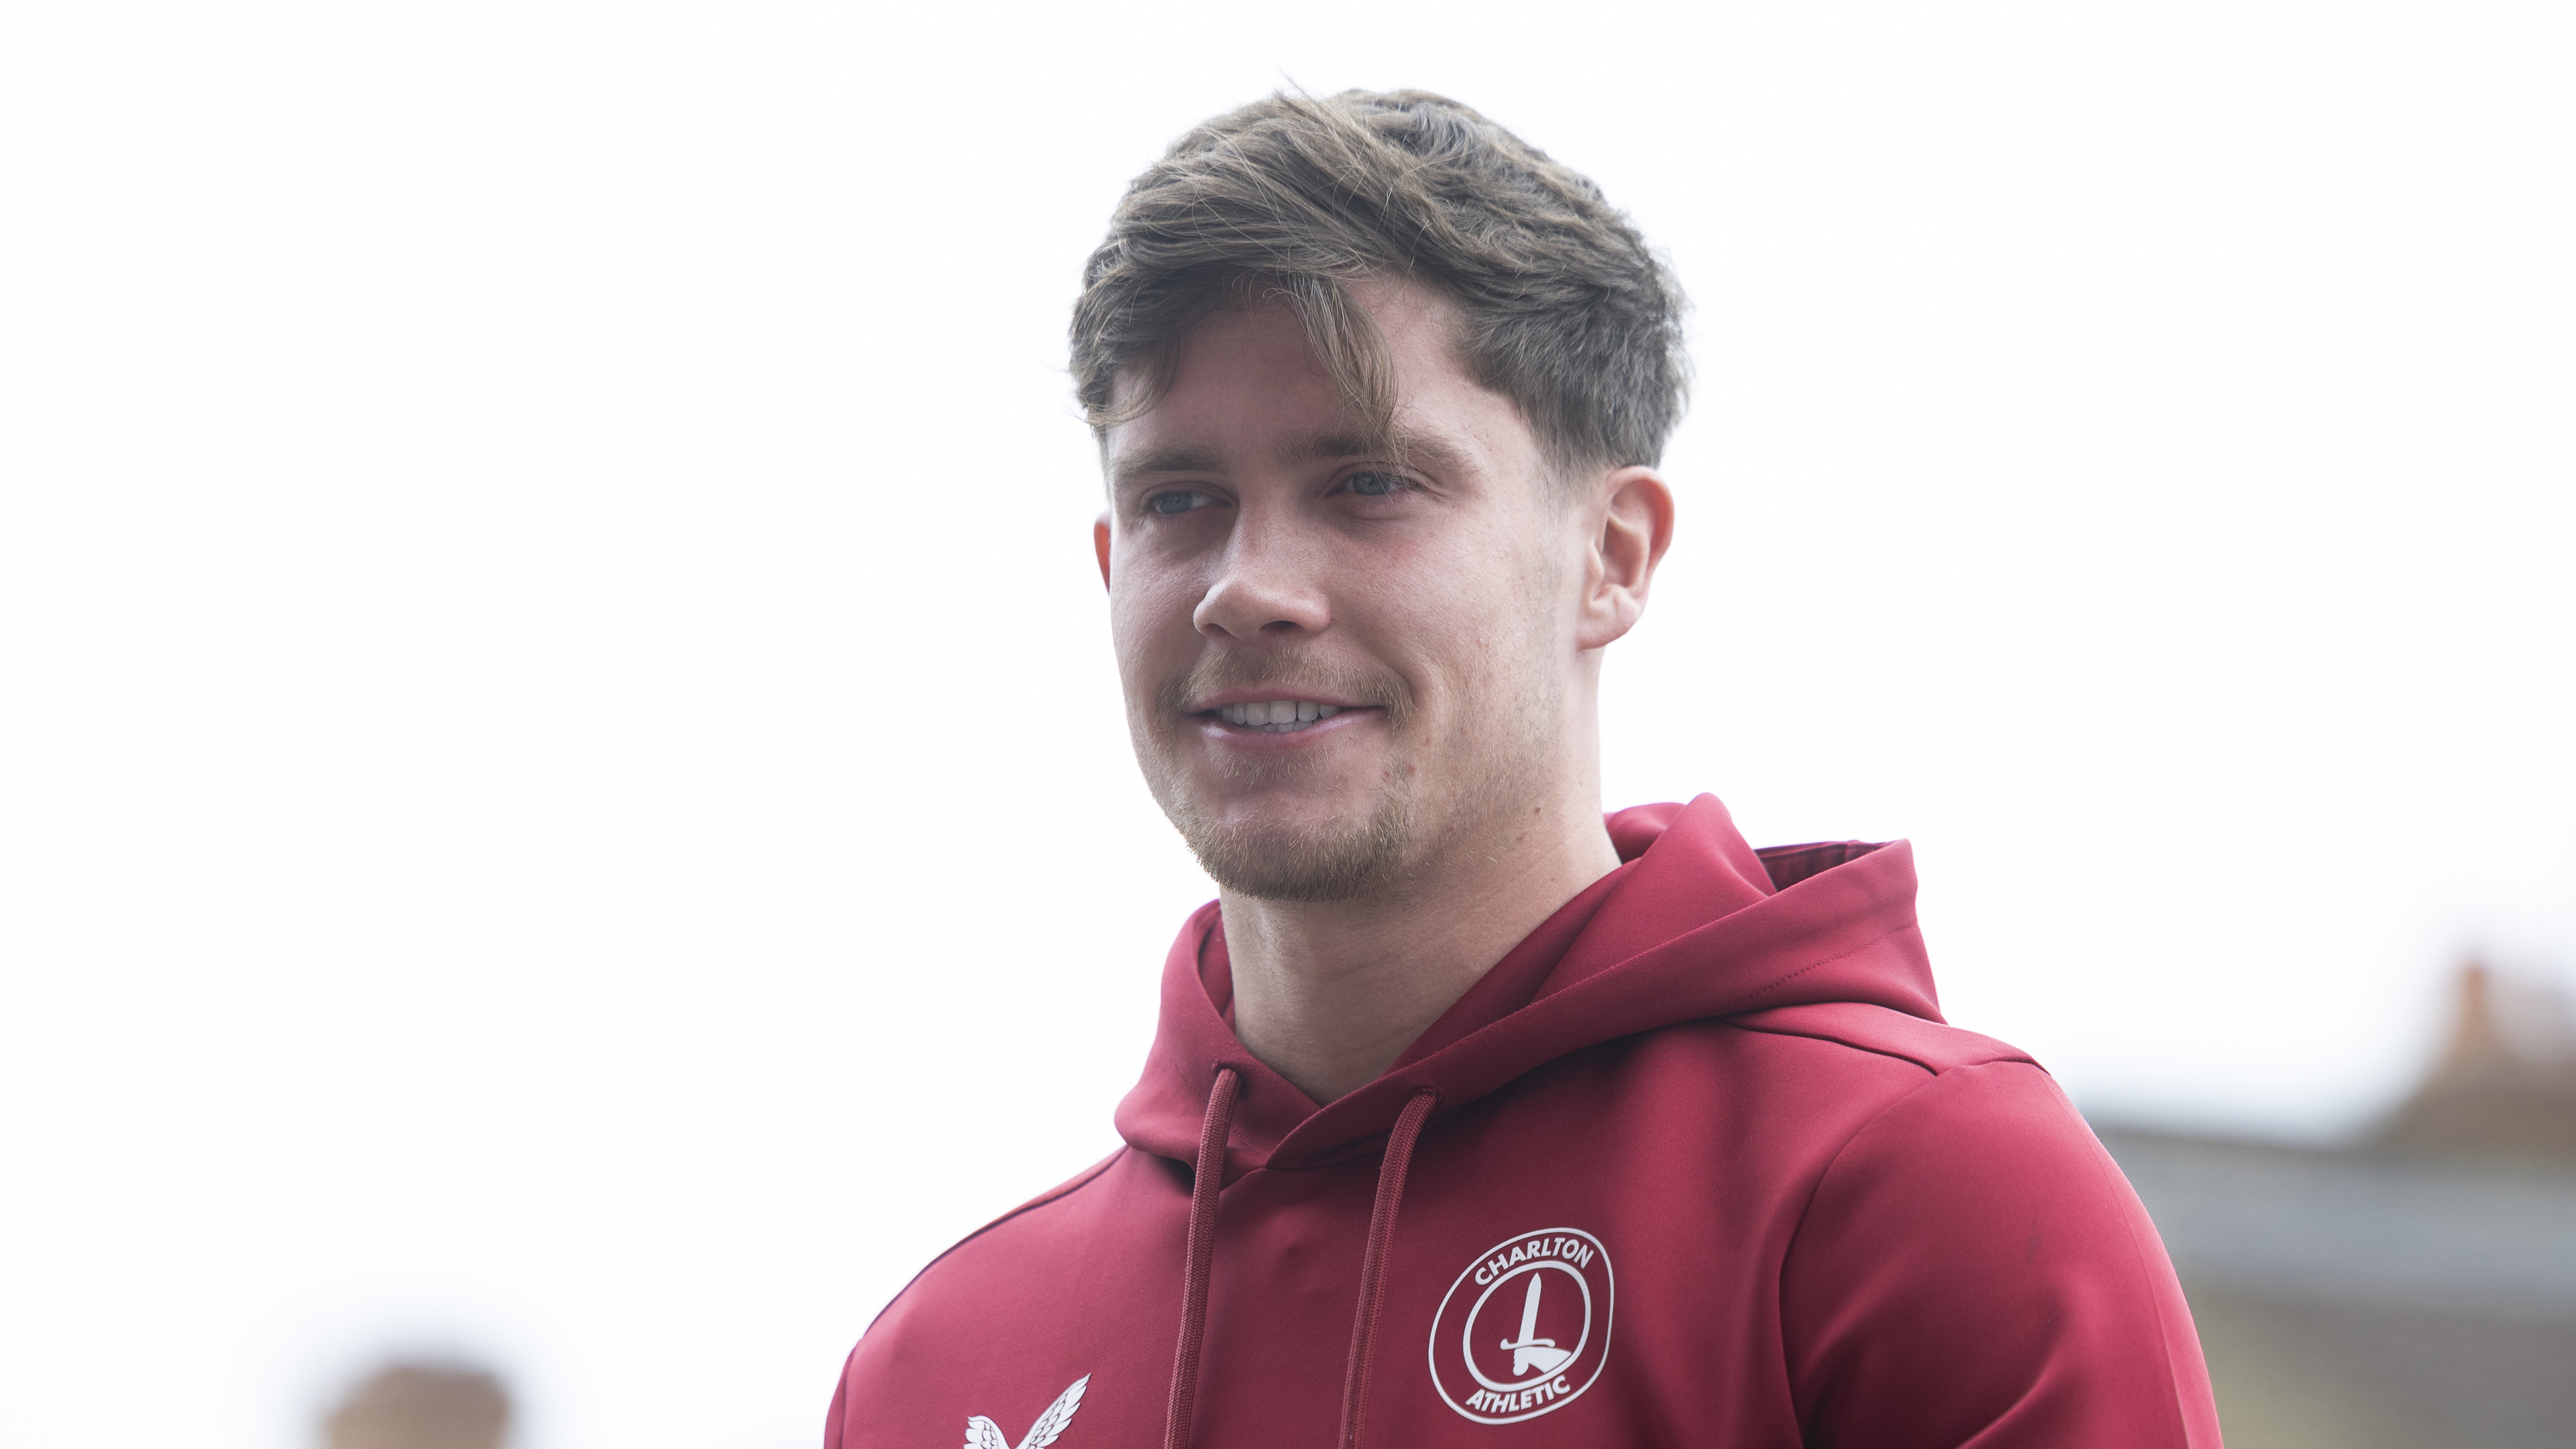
(562, 792)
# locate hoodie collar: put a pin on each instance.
(1694, 923)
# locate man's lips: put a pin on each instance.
(1256, 713)
(1268, 694)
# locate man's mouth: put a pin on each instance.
(1278, 716)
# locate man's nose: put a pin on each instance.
(1267, 584)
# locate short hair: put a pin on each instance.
(1565, 310)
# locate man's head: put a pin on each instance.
(1379, 390)
(1562, 308)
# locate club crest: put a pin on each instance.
(1526, 1328)
(983, 1433)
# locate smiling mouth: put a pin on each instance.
(1278, 716)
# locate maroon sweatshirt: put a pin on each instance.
(1697, 1163)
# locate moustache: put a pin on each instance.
(1292, 676)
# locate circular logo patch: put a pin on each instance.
(1526, 1328)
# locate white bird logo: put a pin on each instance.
(983, 1433)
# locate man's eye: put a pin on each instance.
(1375, 485)
(1176, 502)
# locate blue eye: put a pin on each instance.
(1170, 503)
(1375, 485)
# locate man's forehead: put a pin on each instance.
(1247, 388)
(1144, 454)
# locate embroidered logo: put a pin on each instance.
(983, 1433)
(1525, 1329)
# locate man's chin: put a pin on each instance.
(1308, 862)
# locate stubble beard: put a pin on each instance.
(1322, 864)
(1338, 860)
(1371, 857)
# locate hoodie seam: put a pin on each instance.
(1807, 1206)
(2006, 1052)
(1877, 1051)
(1044, 1199)
(1780, 1278)
(1931, 1077)
(1824, 961)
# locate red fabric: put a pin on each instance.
(1381, 1237)
(1194, 1278)
(1727, 1176)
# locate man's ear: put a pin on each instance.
(1634, 525)
(1100, 546)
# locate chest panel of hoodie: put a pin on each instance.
(1686, 1153)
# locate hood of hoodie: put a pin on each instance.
(1694, 923)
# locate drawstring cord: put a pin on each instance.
(1209, 1176)
(1204, 1184)
(1381, 1238)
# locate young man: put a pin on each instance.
(1474, 1118)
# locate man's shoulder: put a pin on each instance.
(1039, 1299)
(1061, 1224)
(1058, 1193)
(1065, 1208)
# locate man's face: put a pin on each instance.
(1338, 664)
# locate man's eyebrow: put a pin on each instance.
(1401, 445)
(1325, 448)
(1306, 451)
(1177, 458)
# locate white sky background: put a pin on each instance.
(562, 792)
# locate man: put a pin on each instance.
(1474, 1118)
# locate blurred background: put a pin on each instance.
(565, 821)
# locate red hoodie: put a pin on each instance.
(1697, 1163)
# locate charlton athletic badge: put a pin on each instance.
(1526, 1328)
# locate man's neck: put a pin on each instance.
(1328, 994)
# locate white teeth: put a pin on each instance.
(1279, 716)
